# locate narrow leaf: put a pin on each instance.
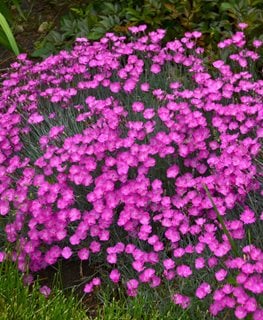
(221, 221)
(9, 34)
(18, 8)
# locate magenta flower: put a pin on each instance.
(258, 314)
(155, 68)
(45, 291)
(88, 287)
(181, 300)
(132, 284)
(4, 207)
(220, 275)
(199, 263)
(242, 25)
(184, 271)
(96, 281)
(137, 106)
(172, 172)
(115, 275)
(66, 252)
(240, 312)
(203, 290)
(2, 256)
(248, 216)
(168, 264)
(145, 87)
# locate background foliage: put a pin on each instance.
(94, 18)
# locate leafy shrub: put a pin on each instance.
(213, 18)
(141, 158)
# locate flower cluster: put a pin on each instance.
(105, 151)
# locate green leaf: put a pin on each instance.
(45, 51)
(3, 41)
(5, 11)
(9, 35)
(226, 6)
(94, 36)
(231, 280)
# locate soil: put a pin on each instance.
(27, 32)
(70, 275)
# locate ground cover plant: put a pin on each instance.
(144, 159)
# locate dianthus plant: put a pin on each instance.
(143, 156)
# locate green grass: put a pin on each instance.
(148, 305)
(19, 302)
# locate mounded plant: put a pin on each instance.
(141, 158)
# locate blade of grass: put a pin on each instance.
(19, 10)
(10, 37)
(221, 221)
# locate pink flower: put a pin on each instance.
(4, 207)
(28, 279)
(172, 235)
(240, 312)
(169, 274)
(88, 287)
(183, 271)
(138, 265)
(251, 304)
(45, 291)
(35, 118)
(115, 87)
(149, 113)
(203, 290)
(155, 281)
(197, 34)
(155, 68)
(258, 314)
(181, 300)
(173, 171)
(142, 27)
(145, 87)
(168, 264)
(96, 281)
(2, 256)
(132, 284)
(248, 216)
(66, 252)
(242, 25)
(83, 254)
(112, 258)
(257, 43)
(137, 106)
(199, 263)
(95, 247)
(212, 262)
(220, 275)
(134, 29)
(179, 252)
(115, 275)
(147, 275)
